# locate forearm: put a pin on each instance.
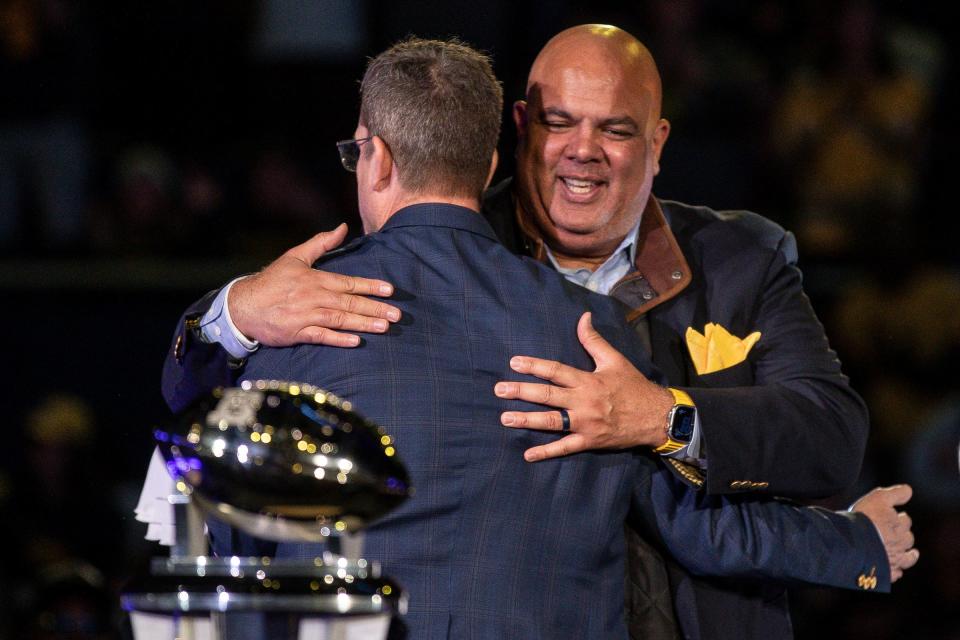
(766, 539)
(789, 443)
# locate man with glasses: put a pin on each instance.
(548, 227)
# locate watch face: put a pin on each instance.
(681, 427)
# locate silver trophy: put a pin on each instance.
(281, 461)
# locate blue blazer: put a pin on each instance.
(492, 546)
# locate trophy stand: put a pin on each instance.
(284, 491)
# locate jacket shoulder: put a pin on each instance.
(732, 229)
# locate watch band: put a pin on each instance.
(680, 399)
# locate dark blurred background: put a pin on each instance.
(149, 151)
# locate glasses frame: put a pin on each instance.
(350, 152)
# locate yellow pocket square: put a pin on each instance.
(716, 348)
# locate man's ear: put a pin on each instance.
(520, 117)
(659, 139)
(383, 172)
(493, 167)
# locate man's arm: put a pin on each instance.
(755, 538)
(792, 427)
(286, 303)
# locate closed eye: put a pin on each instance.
(555, 125)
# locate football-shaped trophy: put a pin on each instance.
(280, 461)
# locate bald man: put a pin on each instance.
(757, 401)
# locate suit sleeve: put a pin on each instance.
(793, 427)
(759, 538)
(194, 367)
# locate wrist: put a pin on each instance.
(681, 416)
(235, 294)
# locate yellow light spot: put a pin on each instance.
(342, 478)
(340, 525)
(269, 429)
(389, 451)
(311, 448)
(181, 486)
(294, 390)
(255, 436)
(267, 582)
(297, 467)
(193, 438)
(265, 438)
(302, 445)
(314, 585)
(347, 406)
(320, 398)
(385, 440)
(328, 579)
(387, 590)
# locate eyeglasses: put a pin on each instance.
(350, 152)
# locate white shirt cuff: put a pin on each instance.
(217, 326)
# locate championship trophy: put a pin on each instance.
(284, 462)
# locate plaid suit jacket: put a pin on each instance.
(490, 546)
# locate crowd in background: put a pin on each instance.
(189, 131)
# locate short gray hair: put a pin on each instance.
(437, 105)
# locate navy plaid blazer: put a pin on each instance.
(491, 546)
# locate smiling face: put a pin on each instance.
(590, 140)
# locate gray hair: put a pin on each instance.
(437, 105)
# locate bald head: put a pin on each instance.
(589, 141)
(600, 50)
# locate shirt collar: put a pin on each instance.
(603, 278)
(438, 214)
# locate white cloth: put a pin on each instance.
(154, 506)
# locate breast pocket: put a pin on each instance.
(739, 375)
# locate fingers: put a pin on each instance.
(895, 495)
(339, 283)
(329, 337)
(542, 420)
(536, 393)
(573, 443)
(902, 562)
(909, 559)
(344, 321)
(356, 305)
(311, 250)
(598, 348)
(551, 370)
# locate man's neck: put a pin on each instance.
(409, 199)
(421, 198)
(578, 262)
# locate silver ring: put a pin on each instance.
(564, 420)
